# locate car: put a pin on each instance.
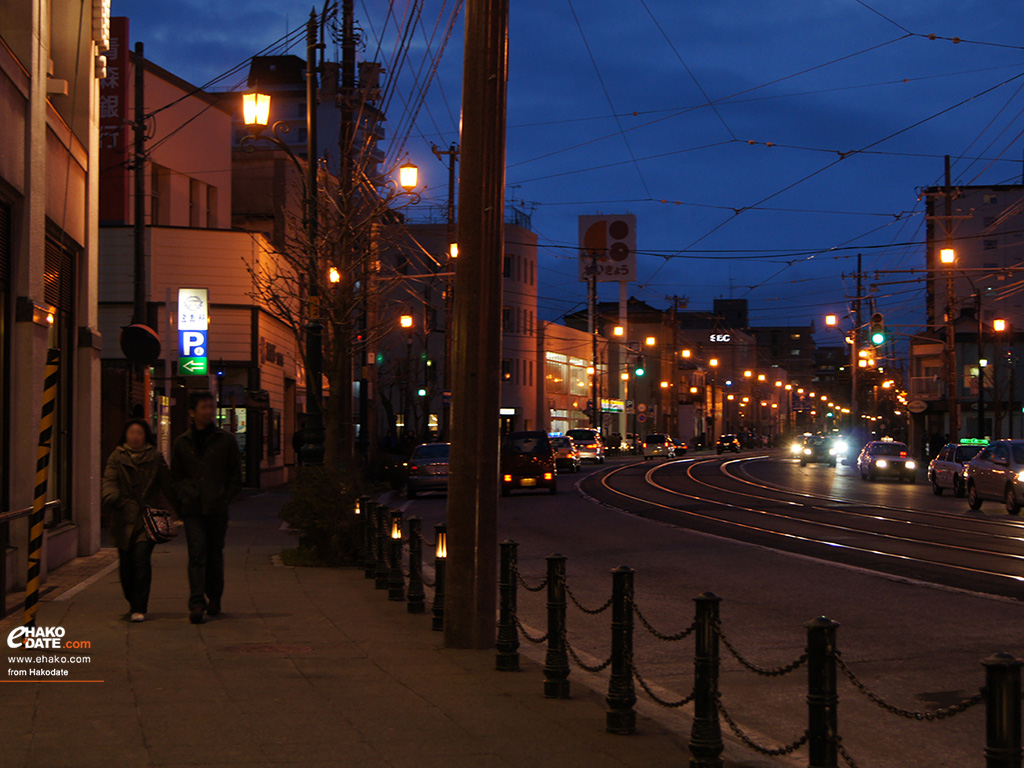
(995, 474)
(681, 447)
(567, 455)
(658, 444)
(727, 443)
(528, 461)
(886, 458)
(946, 470)
(818, 449)
(589, 444)
(631, 442)
(428, 469)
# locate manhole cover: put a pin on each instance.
(270, 649)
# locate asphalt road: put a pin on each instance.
(779, 559)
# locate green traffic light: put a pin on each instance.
(877, 338)
(639, 371)
(421, 392)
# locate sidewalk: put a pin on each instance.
(307, 666)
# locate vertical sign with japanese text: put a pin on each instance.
(114, 134)
(193, 328)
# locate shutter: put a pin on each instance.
(5, 243)
(58, 280)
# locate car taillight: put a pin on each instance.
(592, 445)
(549, 476)
(903, 454)
(413, 468)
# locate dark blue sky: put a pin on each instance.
(636, 129)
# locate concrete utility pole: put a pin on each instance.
(470, 600)
(453, 155)
(596, 413)
(855, 350)
(952, 398)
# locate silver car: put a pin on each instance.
(658, 445)
(946, 471)
(997, 474)
(588, 443)
(428, 469)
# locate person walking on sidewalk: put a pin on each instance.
(136, 476)
(206, 467)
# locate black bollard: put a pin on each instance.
(507, 659)
(621, 718)
(381, 570)
(822, 697)
(369, 515)
(417, 598)
(1002, 711)
(440, 563)
(396, 579)
(556, 660)
(706, 733)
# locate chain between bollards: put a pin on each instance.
(370, 539)
(396, 579)
(621, 717)
(440, 564)
(380, 571)
(706, 733)
(507, 643)
(556, 660)
(1002, 711)
(822, 695)
(362, 511)
(417, 598)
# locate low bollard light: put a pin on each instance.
(822, 695)
(396, 580)
(507, 658)
(556, 660)
(621, 717)
(440, 563)
(417, 598)
(706, 733)
(381, 570)
(1002, 711)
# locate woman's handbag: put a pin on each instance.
(158, 524)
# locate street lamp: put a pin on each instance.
(405, 321)
(686, 353)
(650, 341)
(618, 330)
(831, 321)
(256, 109)
(999, 325)
(334, 275)
(408, 176)
(947, 256)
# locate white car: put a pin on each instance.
(658, 445)
(947, 469)
(997, 474)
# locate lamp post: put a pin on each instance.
(713, 365)
(256, 114)
(406, 322)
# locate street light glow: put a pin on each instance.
(256, 109)
(405, 321)
(650, 341)
(713, 362)
(999, 324)
(748, 374)
(618, 330)
(686, 353)
(453, 250)
(831, 321)
(408, 176)
(947, 255)
(624, 376)
(334, 275)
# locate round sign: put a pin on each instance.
(641, 417)
(917, 406)
(641, 407)
(140, 344)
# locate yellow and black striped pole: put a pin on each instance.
(35, 535)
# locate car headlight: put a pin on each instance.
(840, 448)
(881, 463)
(911, 465)
(1020, 477)
(807, 451)
(795, 448)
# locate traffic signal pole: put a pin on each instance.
(472, 543)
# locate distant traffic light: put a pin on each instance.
(877, 329)
(639, 369)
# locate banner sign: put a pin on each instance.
(193, 327)
(608, 248)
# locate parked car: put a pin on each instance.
(946, 470)
(727, 443)
(567, 455)
(658, 444)
(886, 458)
(589, 444)
(681, 447)
(631, 442)
(995, 474)
(428, 469)
(818, 449)
(528, 461)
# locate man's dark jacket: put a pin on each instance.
(207, 473)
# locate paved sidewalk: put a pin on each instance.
(307, 666)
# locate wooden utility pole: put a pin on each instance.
(952, 398)
(471, 596)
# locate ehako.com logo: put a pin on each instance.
(51, 638)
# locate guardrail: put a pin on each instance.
(6, 518)
(1000, 693)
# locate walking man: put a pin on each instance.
(206, 468)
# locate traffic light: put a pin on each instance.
(877, 329)
(639, 369)
(422, 392)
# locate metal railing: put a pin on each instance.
(6, 518)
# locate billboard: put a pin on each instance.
(608, 248)
(193, 328)
(114, 133)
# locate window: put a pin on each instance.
(506, 319)
(508, 267)
(211, 207)
(990, 199)
(794, 353)
(990, 245)
(506, 370)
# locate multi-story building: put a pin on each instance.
(52, 56)
(254, 367)
(565, 357)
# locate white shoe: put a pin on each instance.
(137, 617)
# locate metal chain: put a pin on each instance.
(758, 670)
(526, 586)
(660, 635)
(769, 751)
(837, 740)
(427, 583)
(657, 699)
(910, 714)
(527, 636)
(428, 544)
(589, 611)
(586, 667)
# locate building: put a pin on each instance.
(254, 366)
(565, 358)
(52, 55)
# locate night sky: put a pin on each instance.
(609, 112)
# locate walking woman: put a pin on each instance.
(136, 476)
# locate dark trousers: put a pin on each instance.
(205, 536)
(136, 574)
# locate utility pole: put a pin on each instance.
(981, 368)
(139, 167)
(952, 398)
(855, 349)
(596, 411)
(453, 155)
(470, 600)
(312, 451)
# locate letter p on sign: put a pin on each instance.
(193, 343)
